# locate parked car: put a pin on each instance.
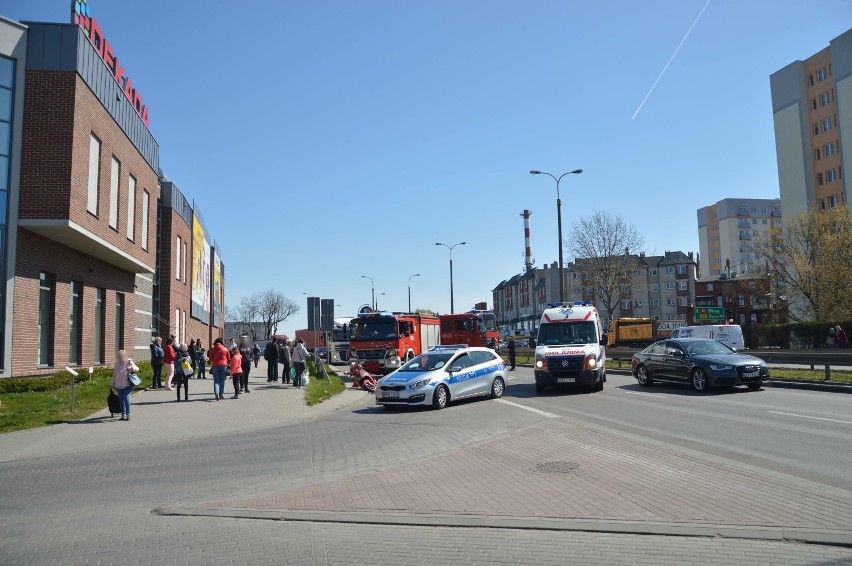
(700, 362)
(323, 354)
(731, 335)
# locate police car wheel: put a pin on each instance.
(441, 397)
(497, 388)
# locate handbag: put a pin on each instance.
(186, 366)
(134, 379)
(293, 373)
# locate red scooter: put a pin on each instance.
(361, 378)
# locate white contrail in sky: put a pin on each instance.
(669, 62)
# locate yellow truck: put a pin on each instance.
(632, 332)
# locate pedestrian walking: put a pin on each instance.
(202, 364)
(196, 355)
(169, 361)
(183, 371)
(236, 370)
(255, 354)
(157, 363)
(300, 361)
(190, 350)
(219, 359)
(231, 344)
(270, 354)
(124, 366)
(245, 356)
(512, 347)
(841, 337)
(832, 337)
(284, 358)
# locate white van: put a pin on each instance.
(571, 347)
(731, 335)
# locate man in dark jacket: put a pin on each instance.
(512, 354)
(245, 352)
(284, 360)
(270, 354)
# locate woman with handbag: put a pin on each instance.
(183, 371)
(169, 361)
(300, 360)
(124, 379)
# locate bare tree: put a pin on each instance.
(273, 307)
(248, 310)
(602, 244)
(810, 259)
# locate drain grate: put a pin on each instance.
(555, 467)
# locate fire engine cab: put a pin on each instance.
(384, 341)
(571, 347)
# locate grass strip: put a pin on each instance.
(319, 389)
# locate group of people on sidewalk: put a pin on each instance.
(294, 359)
(183, 362)
(837, 338)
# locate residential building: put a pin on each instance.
(747, 301)
(726, 231)
(520, 300)
(812, 108)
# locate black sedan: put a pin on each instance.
(700, 362)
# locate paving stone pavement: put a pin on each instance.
(592, 474)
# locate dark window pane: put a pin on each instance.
(7, 72)
(5, 104)
(4, 138)
(4, 173)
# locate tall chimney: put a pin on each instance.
(528, 260)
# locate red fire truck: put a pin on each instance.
(383, 341)
(474, 328)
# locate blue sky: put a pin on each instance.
(326, 140)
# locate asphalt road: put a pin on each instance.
(807, 434)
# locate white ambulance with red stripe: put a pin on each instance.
(571, 347)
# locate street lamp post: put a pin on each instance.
(372, 289)
(376, 304)
(559, 225)
(452, 299)
(409, 290)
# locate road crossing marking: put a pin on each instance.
(530, 409)
(648, 394)
(808, 417)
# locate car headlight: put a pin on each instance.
(391, 353)
(541, 363)
(721, 368)
(419, 384)
(591, 362)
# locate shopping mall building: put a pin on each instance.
(98, 248)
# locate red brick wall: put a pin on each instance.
(36, 254)
(60, 114)
(174, 293)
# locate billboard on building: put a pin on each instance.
(217, 286)
(201, 275)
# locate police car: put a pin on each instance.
(444, 374)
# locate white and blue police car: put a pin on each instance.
(444, 374)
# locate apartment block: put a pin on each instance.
(812, 108)
(726, 232)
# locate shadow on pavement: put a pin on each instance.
(527, 391)
(684, 390)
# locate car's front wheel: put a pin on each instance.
(643, 377)
(699, 380)
(441, 397)
(497, 388)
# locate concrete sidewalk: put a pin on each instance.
(157, 418)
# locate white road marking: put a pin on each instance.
(530, 409)
(808, 417)
(648, 394)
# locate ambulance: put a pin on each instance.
(571, 347)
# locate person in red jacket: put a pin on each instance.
(219, 359)
(169, 361)
(236, 369)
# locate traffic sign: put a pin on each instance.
(709, 313)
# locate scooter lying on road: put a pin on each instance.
(361, 378)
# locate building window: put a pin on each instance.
(813, 104)
(637, 304)
(681, 269)
(683, 301)
(119, 321)
(709, 287)
(178, 248)
(832, 201)
(655, 303)
(670, 301)
(183, 265)
(818, 156)
(115, 171)
(741, 301)
(821, 75)
(831, 175)
(670, 285)
(681, 285)
(819, 179)
(670, 269)
(45, 318)
(146, 201)
(655, 287)
(177, 324)
(654, 272)
(625, 305)
(828, 149)
(94, 174)
(824, 99)
(75, 344)
(811, 80)
(822, 204)
(131, 207)
(826, 125)
(100, 325)
(183, 327)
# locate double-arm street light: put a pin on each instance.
(449, 247)
(409, 290)
(372, 289)
(559, 222)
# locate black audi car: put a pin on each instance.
(700, 362)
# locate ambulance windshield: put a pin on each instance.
(563, 333)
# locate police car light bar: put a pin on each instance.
(447, 347)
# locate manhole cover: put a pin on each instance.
(555, 467)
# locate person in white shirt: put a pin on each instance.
(300, 360)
